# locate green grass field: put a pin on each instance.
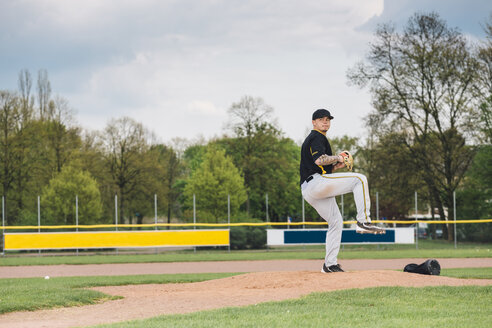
(17, 294)
(468, 273)
(427, 249)
(374, 307)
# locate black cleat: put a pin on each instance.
(332, 268)
(369, 228)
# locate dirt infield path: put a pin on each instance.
(222, 266)
(144, 301)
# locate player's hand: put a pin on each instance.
(338, 166)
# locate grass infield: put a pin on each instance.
(30, 294)
(427, 249)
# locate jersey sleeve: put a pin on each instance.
(317, 148)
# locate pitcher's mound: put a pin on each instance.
(143, 301)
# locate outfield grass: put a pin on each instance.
(468, 273)
(427, 249)
(443, 306)
(30, 294)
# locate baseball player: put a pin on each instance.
(320, 185)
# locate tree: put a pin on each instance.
(91, 157)
(484, 87)
(9, 118)
(171, 167)
(422, 81)
(63, 138)
(273, 165)
(25, 136)
(269, 161)
(44, 93)
(27, 99)
(398, 177)
(124, 143)
(216, 178)
(247, 118)
(32, 148)
(59, 198)
(473, 198)
(193, 156)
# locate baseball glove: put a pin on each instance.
(348, 160)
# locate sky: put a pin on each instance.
(177, 66)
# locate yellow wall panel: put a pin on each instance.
(115, 239)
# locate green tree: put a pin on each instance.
(58, 198)
(473, 199)
(484, 87)
(62, 139)
(9, 118)
(124, 143)
(422, 82)
(399, 178)
(216, 178)
(250, 120)
(193, 156)
(269, 161)
(27, 139)
(273, 165)
(172, 169)
(91, 157)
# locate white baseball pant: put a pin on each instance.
(320, 192)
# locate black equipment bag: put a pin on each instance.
(431, 267)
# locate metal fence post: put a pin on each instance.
(39, 215)
(39, 220)
(417, 225)
(229, 219)
(116, 211)
(194, 211)
(229, 209)
(155, 210)
(454, 211)
(77, 216)
(266, 202)
(377, 205)
(116, 215)
(3, 225)
(194, 218)
(77, 213)
(155, 216)
(303, 214)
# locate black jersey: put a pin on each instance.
(315, 145)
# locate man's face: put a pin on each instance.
(322, 124)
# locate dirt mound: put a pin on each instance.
(144, 301)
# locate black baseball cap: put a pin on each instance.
(319, 113)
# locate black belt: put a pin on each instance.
(309, 178)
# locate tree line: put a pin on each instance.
(429, 131)
(43, 152)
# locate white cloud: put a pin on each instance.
(202, 107)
